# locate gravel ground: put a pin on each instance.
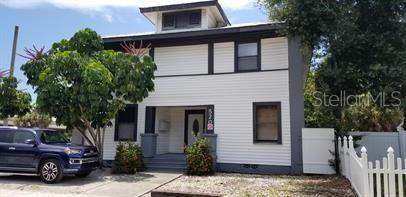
(262, 185)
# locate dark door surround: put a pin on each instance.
(193, 111)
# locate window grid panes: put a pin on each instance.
(181, 20)
(247, 56)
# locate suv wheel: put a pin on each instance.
(50, 171)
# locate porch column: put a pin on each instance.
(148, 138)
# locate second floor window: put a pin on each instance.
(181, 20)
(247, 56)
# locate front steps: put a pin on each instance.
(168, 161)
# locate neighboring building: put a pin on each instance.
(241, 86)
(53, 125)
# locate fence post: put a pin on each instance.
(346, 168)
(351, 144)
(365, 180)
(391, 172)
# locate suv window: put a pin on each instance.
(21, 136)
(6, 136)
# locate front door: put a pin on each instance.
(194, 124)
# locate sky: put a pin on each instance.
(43, 22)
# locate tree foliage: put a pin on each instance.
(357, 46)
(33, 119)
(84, 86)
(12, 101)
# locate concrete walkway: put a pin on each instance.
(99, 183)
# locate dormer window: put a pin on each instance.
(181, 20)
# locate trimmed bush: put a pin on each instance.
(198, 158)
(128, 159)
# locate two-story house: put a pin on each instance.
(241, 86)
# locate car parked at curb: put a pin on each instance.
(45, 152)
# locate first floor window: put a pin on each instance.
(126, 124)
(267, 122)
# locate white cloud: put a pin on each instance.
(103, 7)
(98, 5)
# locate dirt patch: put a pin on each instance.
(262, 185)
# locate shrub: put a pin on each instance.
(128, 159)
(369, 116)
(198, 158)
(33, 119)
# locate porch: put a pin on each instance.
(168, 129)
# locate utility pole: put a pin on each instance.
(13, 52)
(13, 59)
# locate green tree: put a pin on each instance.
(12, 101)
(33, 119)
(317, 115)
(84, 86)
(356, 46)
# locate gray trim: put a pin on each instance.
(187, 6)
(205, 105)
(225, 73)
(296, 102)
(150, 116)
(253, 168)
(211, 58)
(152, 53)
(215, 34)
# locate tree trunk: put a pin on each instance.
(307, 53)
(99, 147)
(83, 133)
(404, 118)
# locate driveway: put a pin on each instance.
(99, 183)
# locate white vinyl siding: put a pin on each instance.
(232, 96)
(223, 57)
(162, 114)
(211, 19)
(181, 60)
(176, 135)
(274, 53)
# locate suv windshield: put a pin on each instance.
(51, 137)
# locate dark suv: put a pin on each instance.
(44, 152)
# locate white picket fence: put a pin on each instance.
(369, 180)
